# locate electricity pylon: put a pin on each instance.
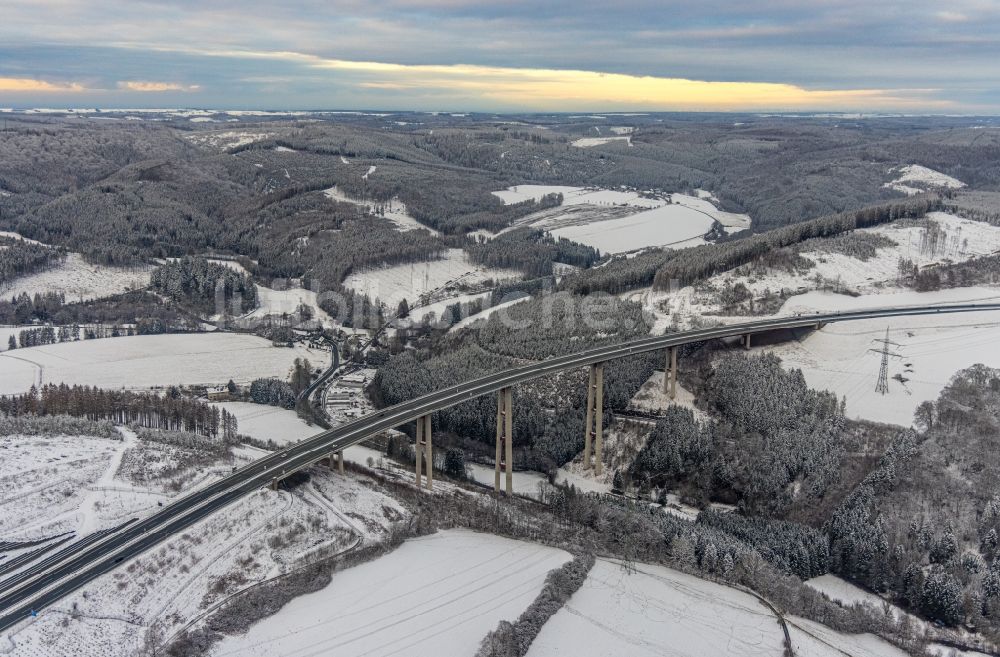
(882, 387)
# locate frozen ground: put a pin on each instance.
(79, 280)
(259, 537)
(930, 348)
(620, 221)
(412, 280)
(148, 361)
(265, 422)
(914, 178)
(435, 595)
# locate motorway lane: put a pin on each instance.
(45, 584)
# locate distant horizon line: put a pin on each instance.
(591, 114)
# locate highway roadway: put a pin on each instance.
(72, 567)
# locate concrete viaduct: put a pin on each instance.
(55, 575)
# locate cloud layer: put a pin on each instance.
(468, 54)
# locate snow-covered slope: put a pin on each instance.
(80, 280)
(929, 349)
(914, 178)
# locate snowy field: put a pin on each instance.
(931, 349)
(148, 361)
(587, 142)
(79, 280)
(434, 595)
(280, 302)
(265, 422)
(675, 226)
(618, 221)
(914, 179)
(410, 281)
(657, 611)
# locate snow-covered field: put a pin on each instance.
(914, 178)
(279, 302)
(930, 348)
(269, 422)
(675, 226)
(587, 142)
(148, 361)
(618, 221)
(80, 280)
(412, 280)
(435, 595)
(658, 611)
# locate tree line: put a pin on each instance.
(532, 251)
(168, 412)
(19, 258)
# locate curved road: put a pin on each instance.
(75, 565)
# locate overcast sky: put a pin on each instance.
(557, 55)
